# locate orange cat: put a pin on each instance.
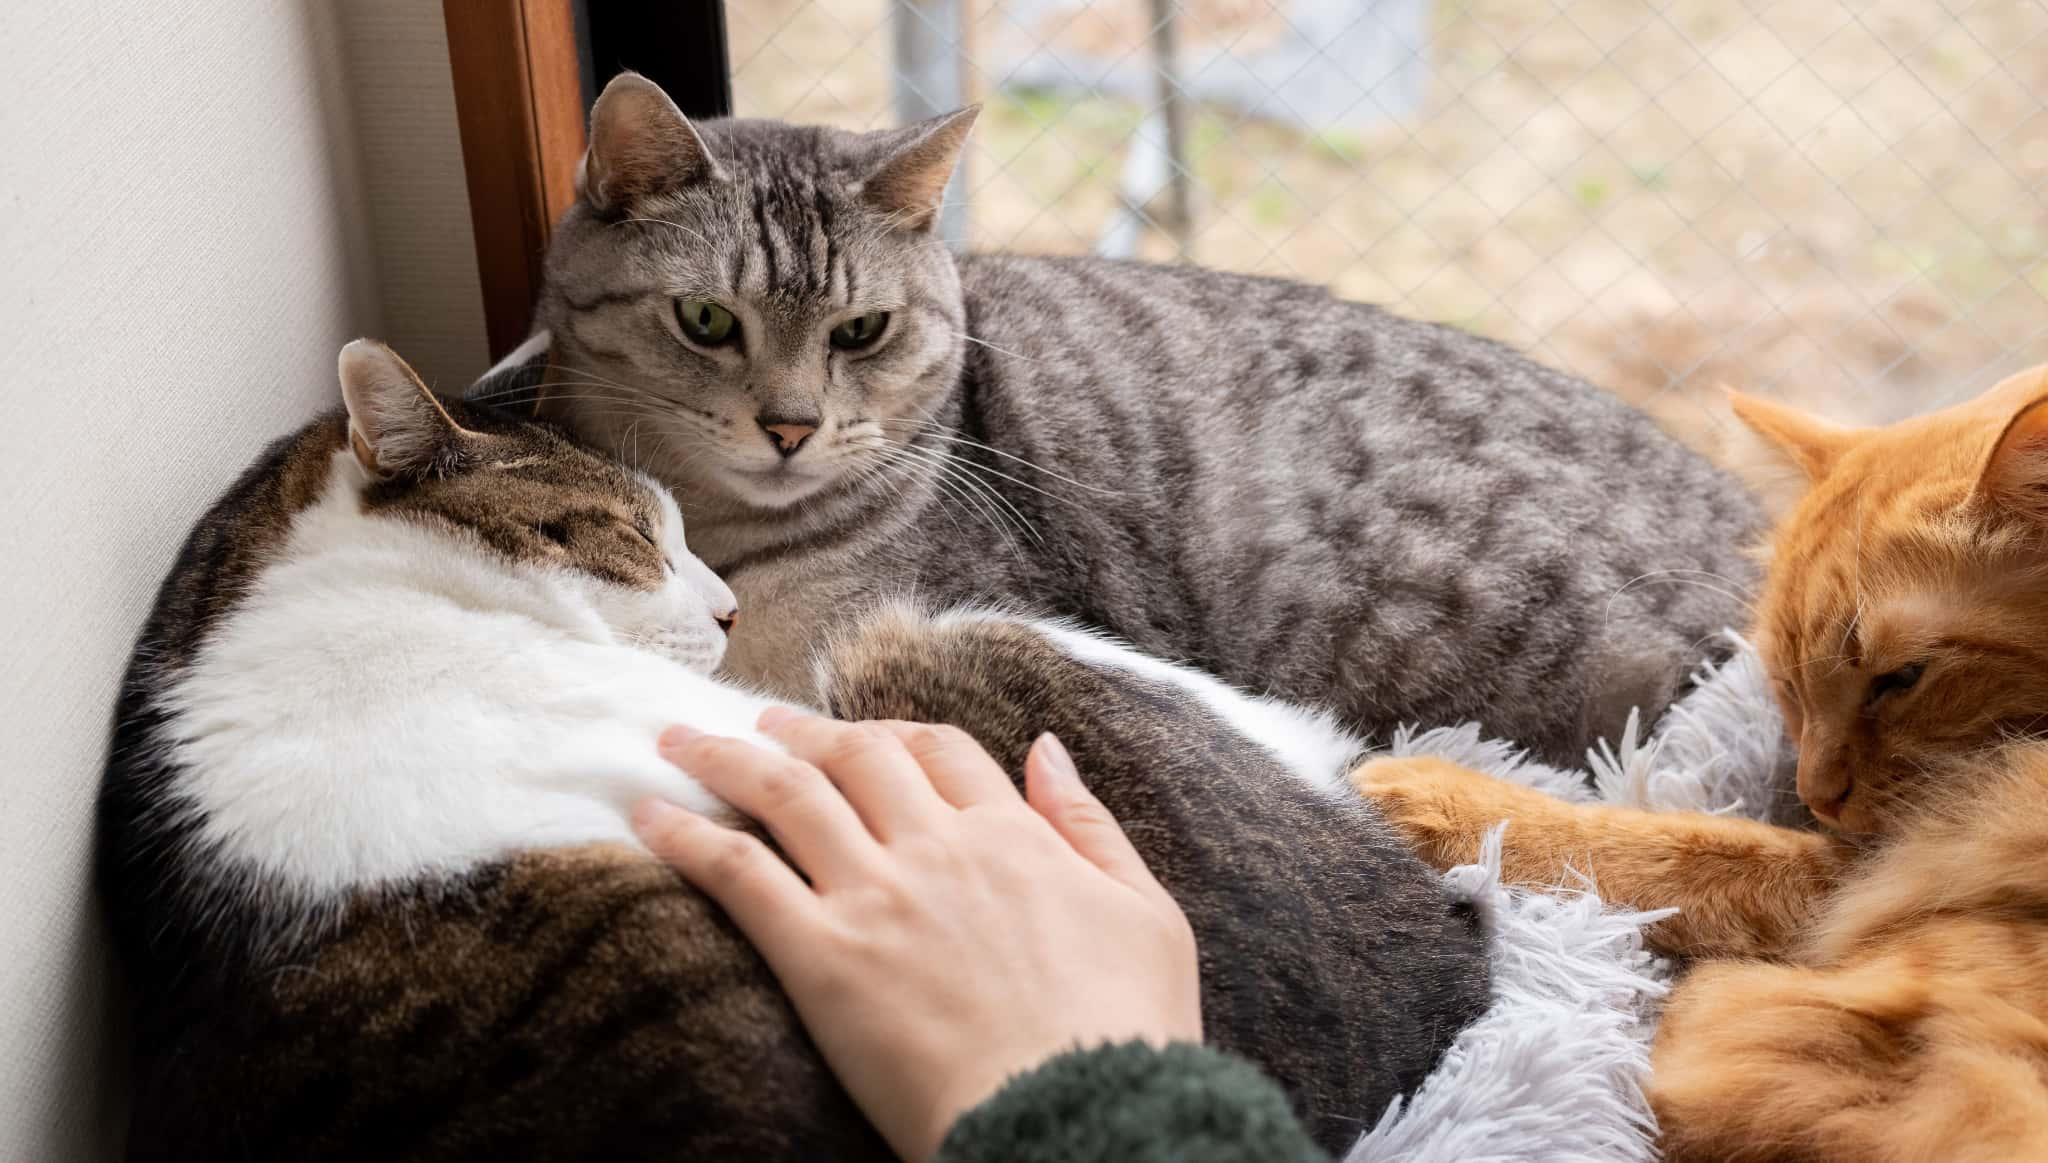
(1880, 991)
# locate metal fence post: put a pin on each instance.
(930, 79)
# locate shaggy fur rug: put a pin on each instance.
(1554, 1069)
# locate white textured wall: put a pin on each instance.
(404, 106)
(190, 225)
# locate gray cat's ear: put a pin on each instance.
(640, 144)
(907, 180)
(396, 426)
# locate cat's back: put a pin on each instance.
(1217, 353)
(1316, 497)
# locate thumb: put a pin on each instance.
(1053, 788)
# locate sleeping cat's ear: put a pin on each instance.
(396, 426)
(640, 144)
(2016, 476)
(907, 178)
(1805, 441)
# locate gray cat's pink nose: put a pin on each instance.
(788, 435)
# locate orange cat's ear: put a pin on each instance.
(2016, 476)
(1780, 451)
(2009, 396)
(1810, 443)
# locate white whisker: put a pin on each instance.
(953, 435)
(667, 223)
(1739, 595)
(992, 347)
(957, 467)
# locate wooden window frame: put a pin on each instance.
(524, 72)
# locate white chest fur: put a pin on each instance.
(390, 702)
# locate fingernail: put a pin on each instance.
(652, 813)
(676, 736)
(775, 717)
(1053, 756)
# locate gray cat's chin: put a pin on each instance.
(776, 488)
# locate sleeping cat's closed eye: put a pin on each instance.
(1790, 707)
(1893, 682)
(646, 535)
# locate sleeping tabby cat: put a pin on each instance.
(1888, 1000)
(364, 832)
(1301, 495)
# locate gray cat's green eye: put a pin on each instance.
(705, 322)
(860, 330)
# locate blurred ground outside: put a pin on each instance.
(1841, 203)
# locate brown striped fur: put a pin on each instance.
(581, 1004)
(1880, 993)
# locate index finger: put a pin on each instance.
(958, 767)
(882, 780)
(802, 809)
(765, 897)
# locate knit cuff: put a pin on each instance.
(1131, 1103)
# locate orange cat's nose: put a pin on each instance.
(1830, 810)
(1824, 793)
(1826, 776)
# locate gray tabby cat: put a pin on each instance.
(1302, 495)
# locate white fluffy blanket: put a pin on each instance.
(1553, 1071)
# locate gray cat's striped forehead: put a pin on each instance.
(756, 150)
(783, 224)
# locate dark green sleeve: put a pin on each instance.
(1131, 1103)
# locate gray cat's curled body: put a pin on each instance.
(1302, 495)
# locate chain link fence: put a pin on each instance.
(1841, 202)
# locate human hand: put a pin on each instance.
(950, 936)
